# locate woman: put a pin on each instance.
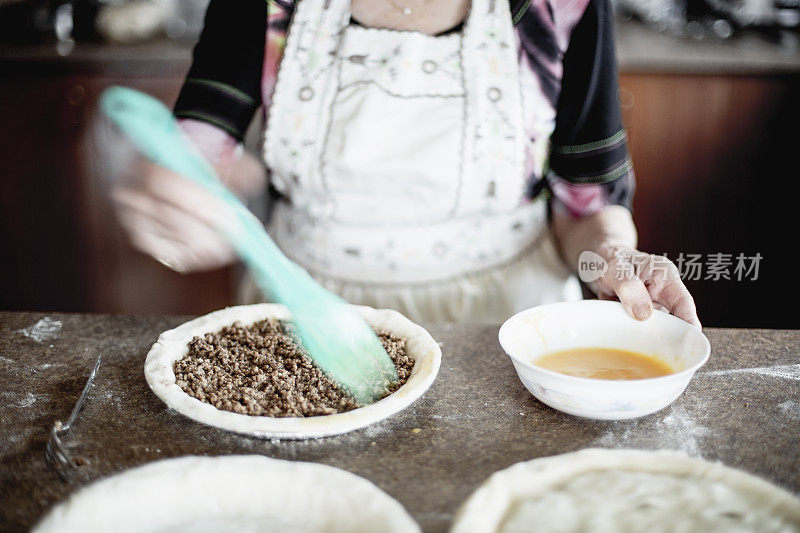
(450, 159)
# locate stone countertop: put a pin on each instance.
(640, 49)
(743, 408)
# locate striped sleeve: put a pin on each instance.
(223, 87)
(589, 144)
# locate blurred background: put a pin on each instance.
(709, 91)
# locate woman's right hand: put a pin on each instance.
(175, 220)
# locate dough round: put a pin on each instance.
(173, 345)
(602, 490)
(236, 493)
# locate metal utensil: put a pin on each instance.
(55, 453)
(337, 338)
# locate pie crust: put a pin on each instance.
(603, 490)
(173, 345)
(241, 493)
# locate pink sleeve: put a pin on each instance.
(566, 15)
(216, 145)
(576, 200)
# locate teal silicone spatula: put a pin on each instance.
(337, 339)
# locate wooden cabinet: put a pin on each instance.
(42, 205)
(715, 158)
(60, 245)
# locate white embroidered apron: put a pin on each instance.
(401, 156)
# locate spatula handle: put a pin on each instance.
(340, 342)
(152, 128)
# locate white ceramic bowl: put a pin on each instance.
(535, 332)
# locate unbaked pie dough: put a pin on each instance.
(235, 493)
(602, 491)
(173, 345)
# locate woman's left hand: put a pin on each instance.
(643, 281)
(640, 281)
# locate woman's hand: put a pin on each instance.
(175, 220)
(639, 280)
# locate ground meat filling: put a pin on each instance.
(262, 370)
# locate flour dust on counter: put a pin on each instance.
(677, 430)
(791, 409)
(791, 372)
(45, 329)
(23, 400)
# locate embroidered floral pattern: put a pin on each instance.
(328, 66)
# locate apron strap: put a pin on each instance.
(304, 90)
(494, 143)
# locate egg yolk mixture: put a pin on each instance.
(604, 363)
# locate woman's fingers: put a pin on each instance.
(175, 220)
(643, 282)
(663, 281)
(168, 187)
(172, 236)
(635, 299)
(675, 297)
(153, 239)
(622, 280)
